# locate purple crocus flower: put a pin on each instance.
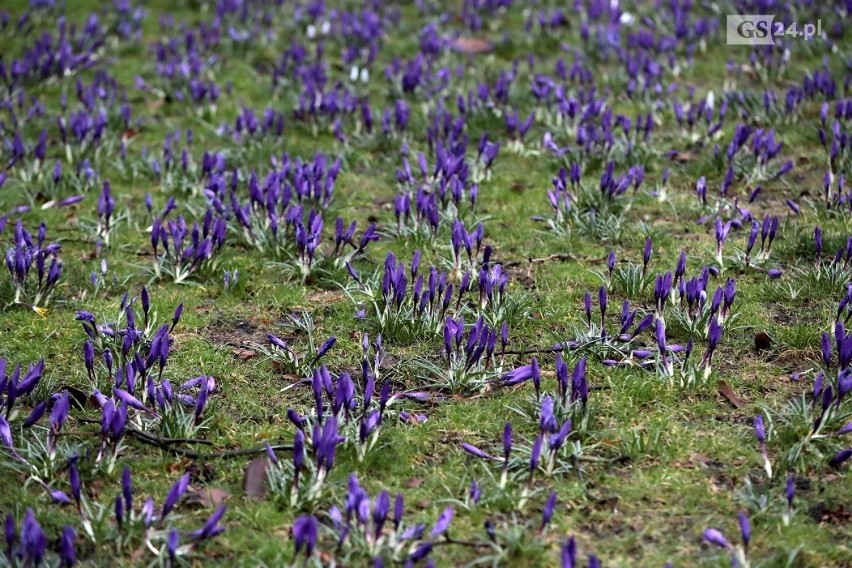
(175, 493)
(118, 508)
(398, 510)
(201, 400)
(74, 478)
(36, 414)
(489, 530)
(646, 254)
(380, 511)
(131, 400)
(745, 529)
(535, 454)
(568, 553)
(172, 545)
(422, 551)
(59, 413)
(841, 457)
(520, 374)
(507, 441)
(305, 534)
(818, 241)
(33, 540)
(67, 554)
(274, 340)
(443, 522)
(547, 422)
(298, 452)
(760, 434)
(6, 436)
(474, 451)
(211, 527)
(176, 317)
(547, 512)
(10, 532)
(325, 347)
(713, 536)
(127, 488)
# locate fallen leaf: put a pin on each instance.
(388, 362)
(254, 480)
(728, 392)
(244, 354)
(471, 45)
(699, 459)
(209, 497)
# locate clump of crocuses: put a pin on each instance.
(407, 300)
(291, 358)
(33, 266)
(180, 250)
(131, 349)
(126, 359)
(30, 544)
(153, 525)
(469, 354)
(342, 416)
(367, 527)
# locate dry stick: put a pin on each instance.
(558, 256)
(138, 433)
(170, 441)
(471, 544)
(554, 349)
(532, 350)
(192, 454)
(562, 257)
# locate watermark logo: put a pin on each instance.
(762, 29)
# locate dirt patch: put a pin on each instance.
(326, 297)
(523, 276)
(830, 513)
(234, 333)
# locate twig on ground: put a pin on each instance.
(168, 445)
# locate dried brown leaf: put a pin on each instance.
(244, 354)
(209, 497)
(728, 392)
(471, 45)
(254, 479)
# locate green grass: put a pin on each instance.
(664, 462)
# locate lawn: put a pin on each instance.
(483, 282)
